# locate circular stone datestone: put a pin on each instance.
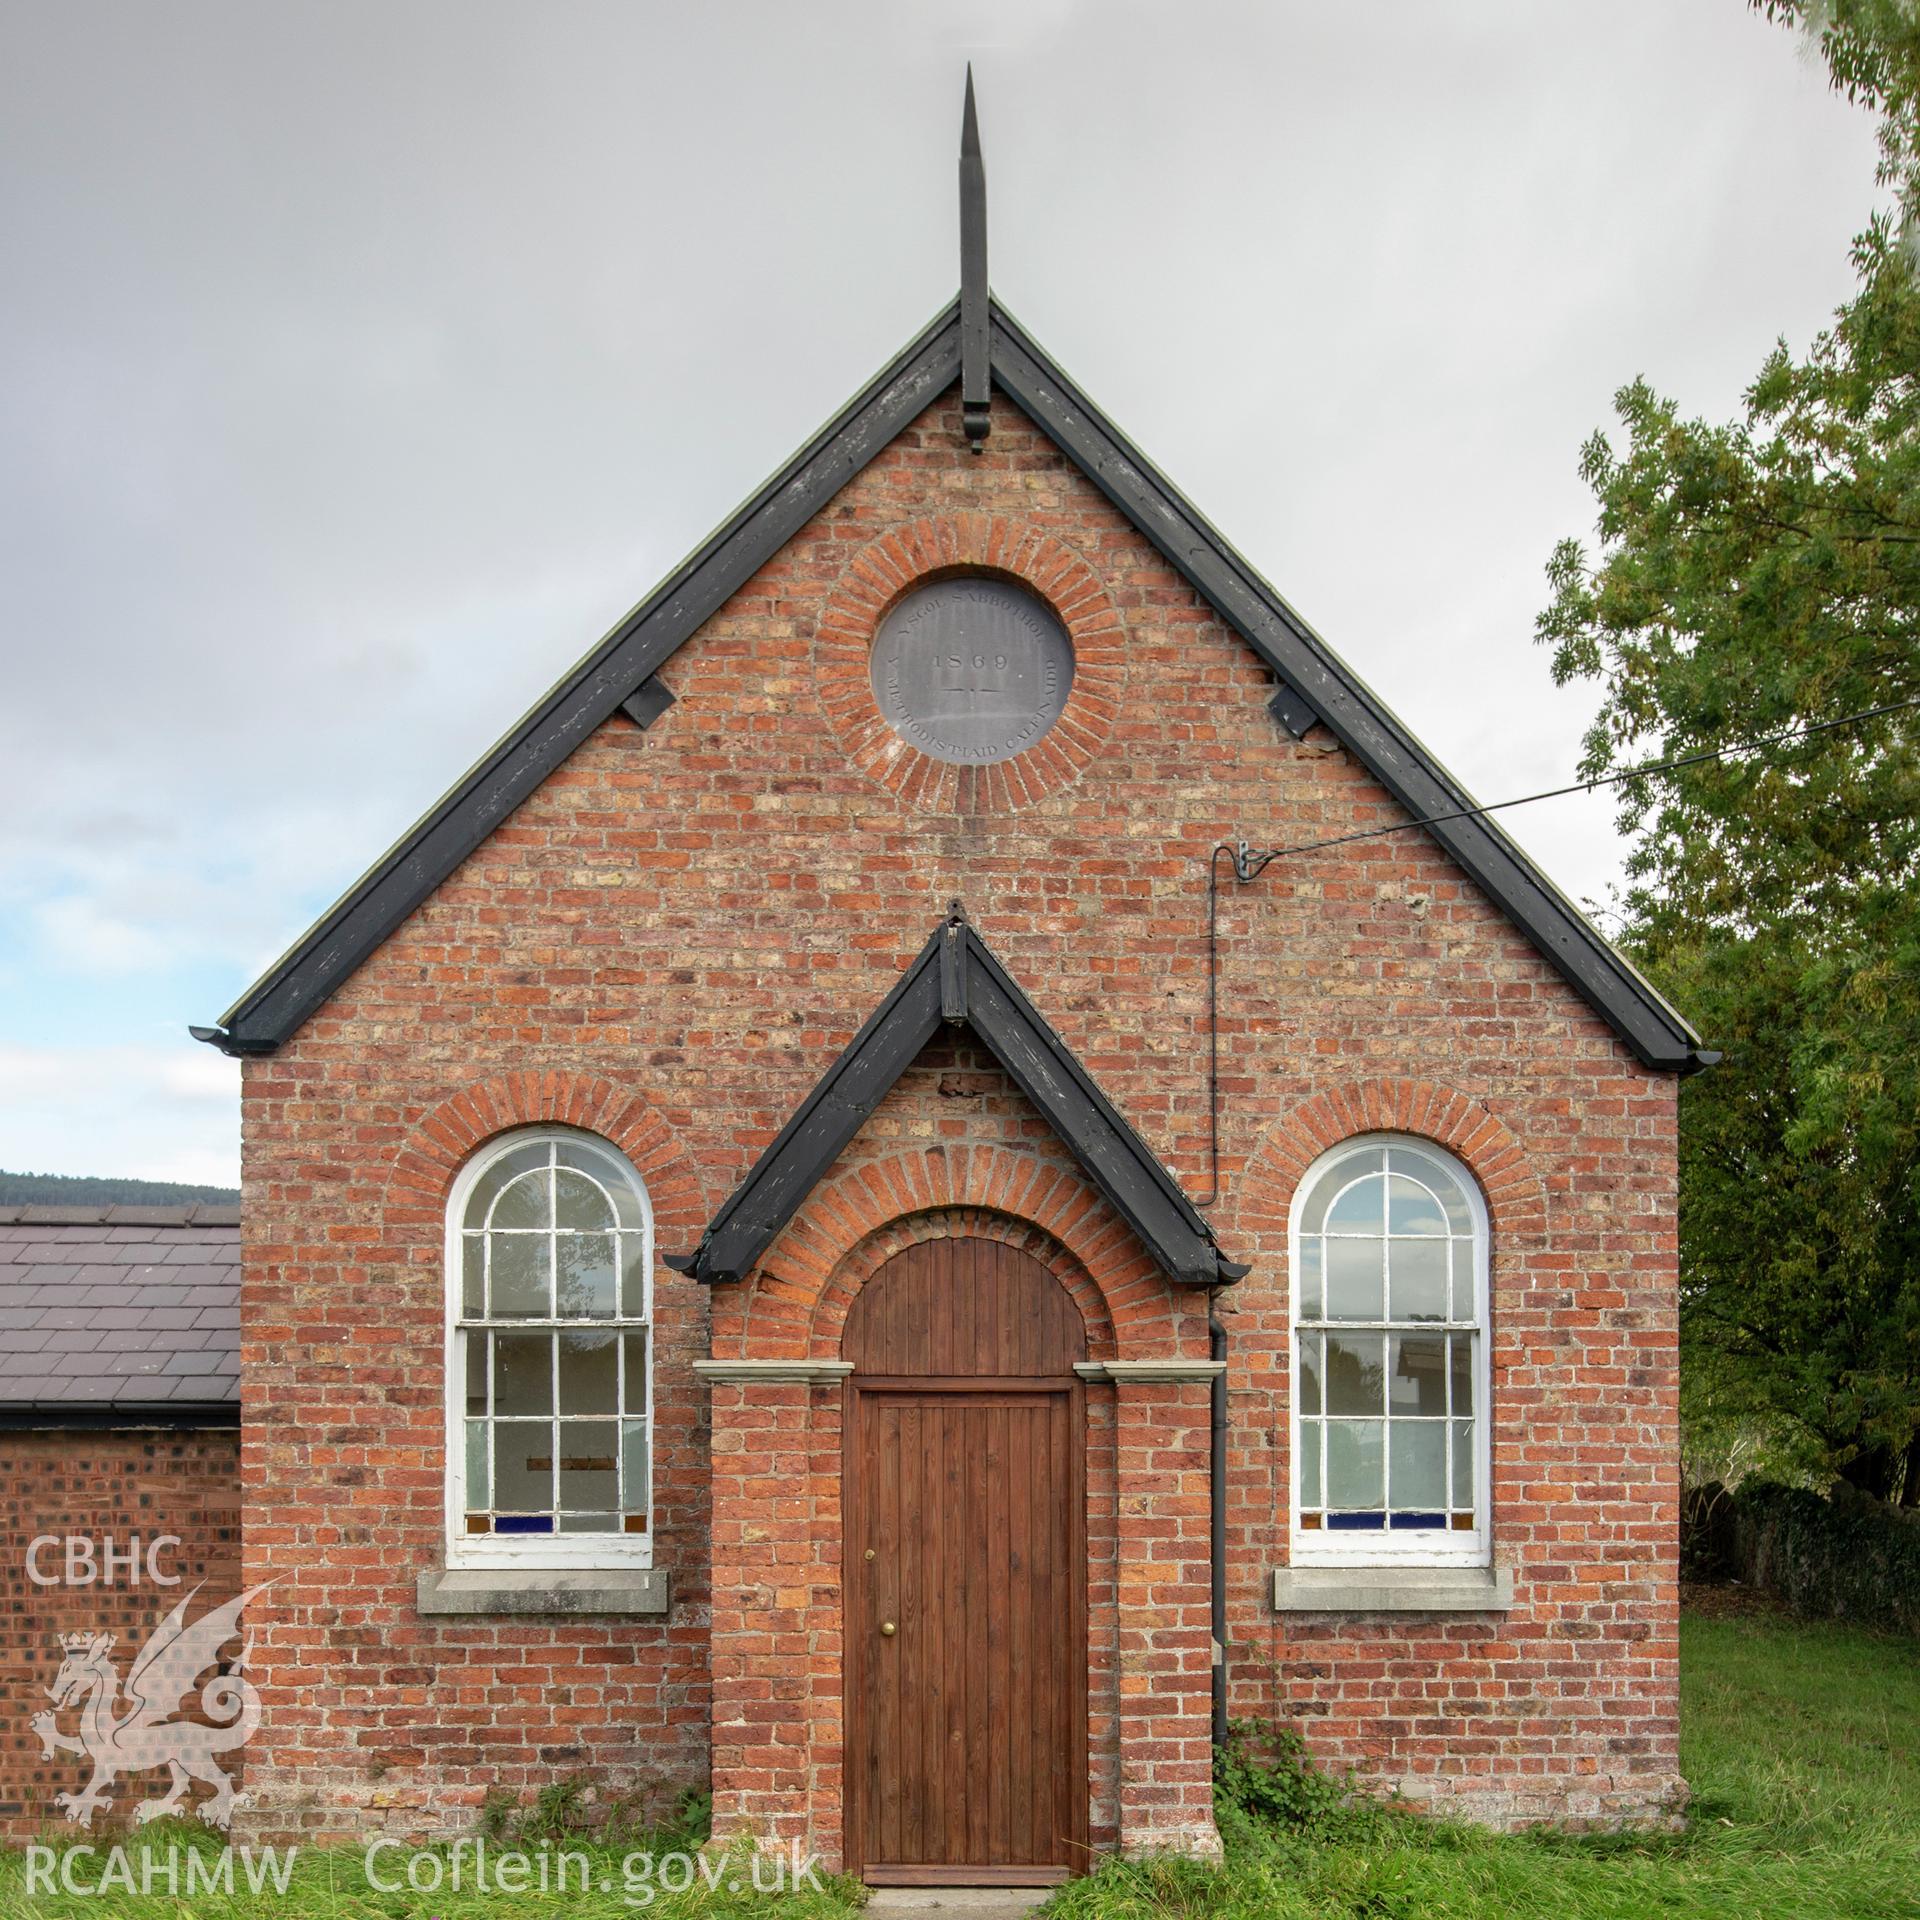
(972, 670)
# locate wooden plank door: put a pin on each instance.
(966, 1654)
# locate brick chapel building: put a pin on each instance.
(738, 1282)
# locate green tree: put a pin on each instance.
(1750, 577)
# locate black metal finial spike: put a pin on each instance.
(976, 379)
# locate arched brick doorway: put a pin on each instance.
(965, 1502)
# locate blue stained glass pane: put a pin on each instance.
(524, 1523)
(1358, 1522)
(1403, 1521)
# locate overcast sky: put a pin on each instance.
(361, 364)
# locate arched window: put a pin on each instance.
(549, 1356)
(1389, 1423)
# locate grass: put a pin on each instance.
(1802, 1743)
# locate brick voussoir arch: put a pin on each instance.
(1516, 1199)
(909, 556)
(442, 1141)
(857, 1218)
(954, 1222)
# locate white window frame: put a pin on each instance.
(1342, 1547)
(555, 1550)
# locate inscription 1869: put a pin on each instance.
(972, 670)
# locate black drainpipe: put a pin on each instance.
(1217, 1520)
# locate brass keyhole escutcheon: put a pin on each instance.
(888, 1629)
(869, 1553)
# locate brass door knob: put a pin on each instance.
(888, 1629)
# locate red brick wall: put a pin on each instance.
(777, 1620)
(115, 1484)
(374, 1716)
(1565, 1709)
(686, 925)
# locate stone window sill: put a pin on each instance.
(456, 1591)
(1392, 1589)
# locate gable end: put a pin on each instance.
(1314, 684)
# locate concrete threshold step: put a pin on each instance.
(963, 1903)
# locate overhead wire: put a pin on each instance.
(1249, 864)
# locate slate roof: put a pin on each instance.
(120, 1311)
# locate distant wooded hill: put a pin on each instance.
(92, 1190)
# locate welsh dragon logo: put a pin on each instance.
(143, 1733)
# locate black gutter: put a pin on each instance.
(54, 1416)
(1217, 1517)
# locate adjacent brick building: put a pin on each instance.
(119, 1433)
(725, 1296)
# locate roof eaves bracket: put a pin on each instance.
(1294, 714)
(647, 702)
